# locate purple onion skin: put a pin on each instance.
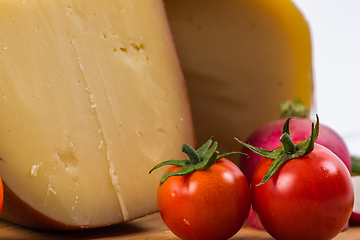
(268, 135)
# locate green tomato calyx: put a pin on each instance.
(288, 149)
(200, 159)
(294, 108)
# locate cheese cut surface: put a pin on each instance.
(91, 98)
(240, 60)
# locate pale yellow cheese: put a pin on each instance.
(240, 60)
(91, 98)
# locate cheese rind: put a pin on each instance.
(92, 97)
(240, 60)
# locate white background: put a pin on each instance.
(335, 29)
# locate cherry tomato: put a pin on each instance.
(310, 197)
(206, 204)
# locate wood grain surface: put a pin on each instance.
(148, 228)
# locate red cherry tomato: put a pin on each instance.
(310, 197)
(207, 204)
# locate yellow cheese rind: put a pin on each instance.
(240, 60)
(92, 97)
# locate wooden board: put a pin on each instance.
(147, 228)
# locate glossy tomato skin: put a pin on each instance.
(208, 204)
(308, 198)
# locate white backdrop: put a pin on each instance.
(335, 29)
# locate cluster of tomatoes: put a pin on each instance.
(299, 191)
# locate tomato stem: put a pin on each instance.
(193, 156)
(287, 143)
(287, 151)
(201, 159)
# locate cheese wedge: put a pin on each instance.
(240, 60)
(91, 97)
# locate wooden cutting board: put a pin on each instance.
(148, 228)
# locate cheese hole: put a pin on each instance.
(137, 47)
(161, 130)
(123, 49)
